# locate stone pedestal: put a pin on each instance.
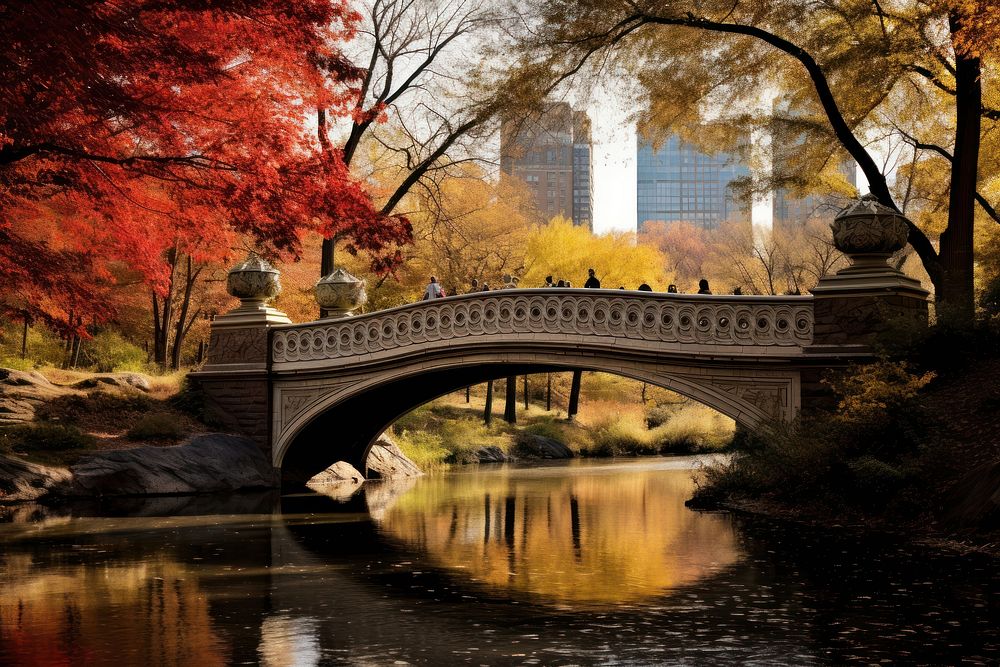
(234, 379)
(852, 307)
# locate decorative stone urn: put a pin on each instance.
(253, 281)
(339, 294)
(868, 228)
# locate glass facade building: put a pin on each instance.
(677, 182)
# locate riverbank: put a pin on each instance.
(451, 430)
(75, 434)
(909, 451)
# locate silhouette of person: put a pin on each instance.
(645, 288)
(703, 287)
(671, 289)
(738, 291)
(561, 283)
(433, 290)
(548, 282)
(475, 286)
(592, 281)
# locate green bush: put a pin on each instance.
(157, 426)
(44, 437)
(547, 427)
(108, 351)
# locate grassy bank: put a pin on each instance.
(451, 430)
(70, 421)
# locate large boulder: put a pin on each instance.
(206, 463)
(22, 480)
(532, 446)
(23, 392)
(119, 380)
(387, 461)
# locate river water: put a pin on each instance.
(573, 564)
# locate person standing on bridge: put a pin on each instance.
(592, 281)
(433, 290)
(703, 287)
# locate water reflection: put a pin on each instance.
(64, 618)
(434, 575)
(600, 536)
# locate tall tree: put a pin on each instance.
(120, 119)
(845, 63)
(417, 69)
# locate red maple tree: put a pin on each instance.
(136, 130)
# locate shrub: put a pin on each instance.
(108, 351)
(619, 435)
(547, 428)
(659, 415)
(157, 426)
(862, 453)
(44, 437)
(424, 449)
(693, 428)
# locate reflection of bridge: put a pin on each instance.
(322, 391)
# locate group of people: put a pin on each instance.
(434, 289)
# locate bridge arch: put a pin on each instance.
(339, 417)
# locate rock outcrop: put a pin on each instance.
(387, 461)
(22, 480)
(531, 446)
(23, 392)
(121, 380)
(206, 463)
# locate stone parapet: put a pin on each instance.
(686, 324)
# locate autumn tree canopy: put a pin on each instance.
(850, 74)
(128, 129)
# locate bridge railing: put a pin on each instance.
(746, 324)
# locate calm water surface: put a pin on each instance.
(583, 563)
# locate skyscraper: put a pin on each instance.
(552, 154)
(677, 182)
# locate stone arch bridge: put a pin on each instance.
(315, 393)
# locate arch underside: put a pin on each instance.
(327, 417)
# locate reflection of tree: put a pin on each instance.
(152, 613)
(589, 539)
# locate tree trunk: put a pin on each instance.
(488, 411)
(526, 391)
(548, 392)
(24, 338)
(162, 315)
(183, 323)
(468, 394)
(956, 296)
(510, 400)
(574, 395)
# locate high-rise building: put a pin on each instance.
(552, 153)
(678, 182)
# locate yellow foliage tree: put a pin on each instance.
(566, 251)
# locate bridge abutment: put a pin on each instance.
(235, 381)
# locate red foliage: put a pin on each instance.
(129, 128)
